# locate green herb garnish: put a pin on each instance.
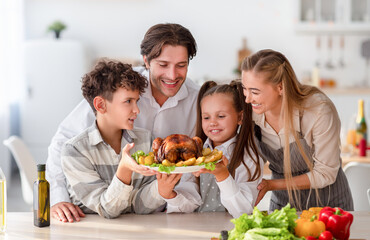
(137, 154)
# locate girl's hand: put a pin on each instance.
(166, 184)
(221, 172)
(263, 187)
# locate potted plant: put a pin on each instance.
(57, 27)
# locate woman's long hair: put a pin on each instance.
(245, 139)
(278, 70)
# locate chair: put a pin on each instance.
(358, 176)
(26, 165)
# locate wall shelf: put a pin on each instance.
(333, 17)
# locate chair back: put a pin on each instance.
(26, 164)
(358, 176)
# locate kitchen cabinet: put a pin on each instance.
(333, 16)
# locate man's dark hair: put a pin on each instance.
(167, 34)
(107, 76)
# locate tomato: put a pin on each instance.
(310, 238)
(326, 235)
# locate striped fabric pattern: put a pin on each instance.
(90, 167)
(337, 194)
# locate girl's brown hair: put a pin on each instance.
(278, 70)
(245, 139)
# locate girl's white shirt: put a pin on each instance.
(237, 195)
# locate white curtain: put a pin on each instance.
(11, 65)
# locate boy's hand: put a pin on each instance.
(166, 184)
(66, 211)
(128, 162)
(221, 172)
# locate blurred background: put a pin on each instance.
(326, 41)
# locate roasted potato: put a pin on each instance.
(190, 161)
(199, 160)
(142, 160)
(180, 164)
(206, 151)
(149, 160)
(214, 156)
(167, 163)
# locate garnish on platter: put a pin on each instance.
(178, 153)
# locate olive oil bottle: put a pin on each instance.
(361, 127)
(41, 196)
(2, 202)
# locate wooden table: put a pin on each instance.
(131, 226)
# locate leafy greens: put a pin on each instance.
(277, 225)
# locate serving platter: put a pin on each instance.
(186, 169)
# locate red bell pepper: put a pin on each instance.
(337, 221)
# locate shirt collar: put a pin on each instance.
(223, 147)
(95, 137)
(94, 134)
(260, 120)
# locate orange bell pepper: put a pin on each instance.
(309, 227)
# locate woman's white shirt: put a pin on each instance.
(320, 126)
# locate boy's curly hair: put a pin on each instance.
(107, 76)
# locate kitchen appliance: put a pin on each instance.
(365, 52)
(53, 72)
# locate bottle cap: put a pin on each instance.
(40, 167)
(224, 235)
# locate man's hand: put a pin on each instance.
(131, 164)
(166, 184)
(263, 187)
(65, 211)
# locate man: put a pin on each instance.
(168, 106)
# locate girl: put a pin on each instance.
(224, 122)
(298, 132)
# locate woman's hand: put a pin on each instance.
(166, 184)
(66, 211)
(263, 187)
(221, 172)
(131, 164)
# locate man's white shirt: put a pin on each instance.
(177, 115)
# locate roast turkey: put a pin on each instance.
(177, 147)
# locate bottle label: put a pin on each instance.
(359, 136)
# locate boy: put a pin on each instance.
(99, 176)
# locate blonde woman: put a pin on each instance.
(298, 132)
